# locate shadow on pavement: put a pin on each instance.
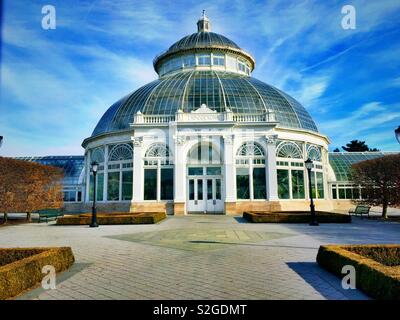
(328, 285)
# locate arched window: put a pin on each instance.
(120, 172)
(157, 150)
(290, 171)
(313, 153)
(158, 173)
(204, 153)
(250, 149)
(97, 154)
(120, 152)
(317, 174)
(250, 172)
(289, 150)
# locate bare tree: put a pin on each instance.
(28, 186)
(379, 180)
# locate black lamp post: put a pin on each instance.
(94, 213)
(397, 133)
(313, 222)
(1, 140)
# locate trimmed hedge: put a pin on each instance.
(104, 219)
(378, 280)
(295, 217)
(21, 268)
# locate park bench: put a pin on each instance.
(360, 209)
(49, 214)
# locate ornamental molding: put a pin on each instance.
(271, 140)
(180, 140)
(203, 109)
(137, 141)
(228, 139)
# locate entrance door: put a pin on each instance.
(214, 202)
(196, 192)
(204, 191)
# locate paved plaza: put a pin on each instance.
(197, 257)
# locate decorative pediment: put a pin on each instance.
(203, 109)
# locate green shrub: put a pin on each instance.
(295, 217)
(21, 268)
(378, 280)
(105, 219)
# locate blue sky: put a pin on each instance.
(56, 84)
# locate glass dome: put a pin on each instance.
(218, 90)
(205, 68)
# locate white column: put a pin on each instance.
(87, 167)
(272, 180)
(137, 169)
(179, 170)
(105, 173)
(229, 170)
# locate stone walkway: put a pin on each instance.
(197, 257)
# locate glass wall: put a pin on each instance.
(250, 172)
(242, 183)
(283, 184)
(344, 191)
(167, 184)
(150, 184)
(260, 191)
(298, 184)
(231, 62)
(159, 173)
(290, 180)
(113, 186)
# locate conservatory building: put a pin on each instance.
(206, 137)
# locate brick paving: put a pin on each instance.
(197, 257)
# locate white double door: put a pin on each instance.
(204, 194)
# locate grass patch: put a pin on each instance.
(21, 268)
(377, 267)
(295, 217)
(113, 218)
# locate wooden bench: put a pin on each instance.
(49, 214)
(360, 209)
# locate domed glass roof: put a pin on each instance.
(217, 89)
(201, 40)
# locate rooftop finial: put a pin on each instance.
(203, 25)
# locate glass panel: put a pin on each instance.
(200, 189)
(218, 60)
(348, 194)
(209, 189)
(191, 189)
(167, 184)
(197, 171)
(313, 184)
(204, 60)
(260, 191)
(356, 193)
(242, 183)
(150, 184)
(213, 171)
(283, 184)
(342, 194)
(99, 186)
(79, 195)
(320, 185)
(334, 193)
(218, 189)
(91, 188)
(127, 178)
(113, 186)
(298, 184)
